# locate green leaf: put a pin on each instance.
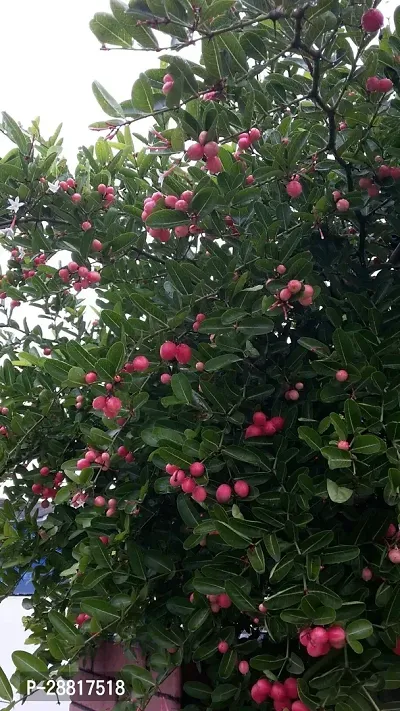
(187, 511)
(222, 693)
(56, 648)
(198, 619)
(242, 454)
(359, 629)
(136, 560)
(282, 568)
(109, 31)
(272, 545)
(116, 355)
(159, 562)
(337, 458)
(109, 105)
(181, 388)
(221, 362)
(100, 609)
(204, 201)
(227, 664)
(140, 33)
(6, 691)
(343, 346)
(167, 218)
(256, 558)
(142, 95)
(100, 553)
(197, 690)
(231, 535)
(310, 436)
(30, 665)
(366, 444)
(94, 577)
(133, 671)
(353, 415)
(316, 542)
(64, 627)
(311, 344)
(238, 597)
(340, 554)
(338, 494)
(146, 307)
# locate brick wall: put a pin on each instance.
(109, 660)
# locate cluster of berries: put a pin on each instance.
(284, 695)
(181, 352)
(219, 602)
(294, 393)
(381, 86)
(109, 405)
(247, 139)
(199, 319)
(208, 150)
(264, 427)
(319, 640)
(82, 618)
(84, 277)
(100, 502)
(47, 492)
(178, 478)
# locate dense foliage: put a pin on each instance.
(232, 500)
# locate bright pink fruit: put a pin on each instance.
(336, 636)
(214, 165)
(254, 134)
(181, 205)
(292, 395)
(211, 149)
(308, 290)
(299, 386)
(294, 286)
(181, 230)
(278, 691)
(165, 378)
(90, 378)
(385, 85)
(244, 667)
(76, 198)
(262, 608)
(341, 376)
(223, 647)
(281, 269)
(259, 419)
(72, 267)
(223, 493)
(82, 464)
(269, 429)
(170, 201)
(365, 183)
(372, 20)
(197, 469)
(168, 350)
(265, 685)
(394, 555)
(102, 189)
(195, 151)
(315, 650)
(183, 353)
(290, 685)
(257, 695)
(294, 188)
(167, 77)
(285, 294)
(241, 488)
(37, 489)
(299, 706)
(203, 138)
(188, 485)
(105, 540)
(224, 601)
(99, 501)
(342, 444)
(304, 637)
(167, 87)
(278, 422)
(342, 205)
(86, 225)
(366, 574)
(319, 635)
(97, 246)
(253, 431)
(372, 84)
(140, 363)
(99, 402)
(282, 705)
(336, 195)
(199, 494)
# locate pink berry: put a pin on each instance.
(315, 650)
(304, 637)
(203, 138)
(223, 647)
(72, 267)
(385, 85)
(63, 185)
(76, 198)
(188, 485)
(241, 489)
(250, 180)
(105, 540)
(281, 269)
(167, 77)
(112, 503)
(165, 378)
(71, 182)
(259, 419)
(244, 667)
(257, 695)
(319, 635)
(294, 286)
(168, 350)
(392, 530)
(372, 84)
(384, 172)
(342, 126)
(269, 429)
(394, 555)
(86, 225)
(372, 20)
(113, 404)
(64, 274)
(167, 87)
(305, 301)
(214, 165)
(244, 142)
(373, 191)
(253, 431)
(365, 183)
(37, 489)
(366, 574)
(278, 691)
(181, 205)
(336, 636)
(171, 468)
(187, 195)
(200, 366)
(199, 494)
(99, 501)
(224, 601)
(110, 512)
(90, 378)
(308, 290)
(181, 231)
(292, 395)
(44, 471)
(223, 493)
(211, 149)
(195, 151)
(47, 351)
(140, 363)
(170, 201)
(197, 469)
(183, 353)
(290, 685)
(285, 294)
(82, 464)
(299, 706)
(262, 608)
(254, 135)
(200, 318)
(341, 376)
(342, 444)
(97, 246)
(102, 189)
(294, 188)
(278, 423)
(342, 205)
(336, 195)
(299, 386)
(395, 173)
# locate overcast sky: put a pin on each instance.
(49, 59)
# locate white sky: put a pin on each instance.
(49, 59)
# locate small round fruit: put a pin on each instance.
(188, 485)
(90, 378)
(183, 353)
(343, 444)
(244, 667)
(341, 376)
(281, 269)
(294, 188)
(241, 489)
(197, 469)
(366, 574)
(168, 350)
(224, 601)
(270, 429)
(165, 378)
(223, 647)
(342, 205)
(294, 286)
(290, 685)
(278, 691)
(319, 635)
(140, 363)
(199, 494)
(394, 555)
(99, 501)
(259, 419)
(223, 493)
(372, 20)
(336, 636)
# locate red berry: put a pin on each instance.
(395, 173)
(308, 290)
(319, 635)
(365, 183)
(86, 225)
(342, 205)
(304, 636)
(254, 135)
(278, 691)
(122, 451)
(214, 165)
(200, 366)
(262, 608)
(250, 180)
(341, 376)
(392, 530)
(299, 706)
(168, 350)
(384, 172)
(181, 205)
(102, 189)
(244, 142)
(82, 464)
(315, 650)
(99, 501)
(294, 188)
(366, 574)
(76, 198)
(203, 138)
(63, 185)
(167, 77)
(223, 493)
(373, 191)
(372, 84)
(290, 685)
(167, 87)
(99, 402)
(37, 489)
(243, 667)
(90, 378)
(342, 444)
(104, 539)
(71, 182)
(292, 395)
(140, 363)
(211, 149)
(259, 419)
(253, 431)
(394, 555)
(336, 636)
(223, 647)
(200, 318)
(44, 471)
(372, 20)
(197, 469)
(183, 353)
(195, 151)
(165, 378)
(199, 494)
(170, 201)
(278, 423)
(281, 269)
(73, 267)
(188, 485)
(181, 230)
(113, 404)
(241, 488)
(224, 601)
(385, 85)
(97, 246)
(294, 286)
